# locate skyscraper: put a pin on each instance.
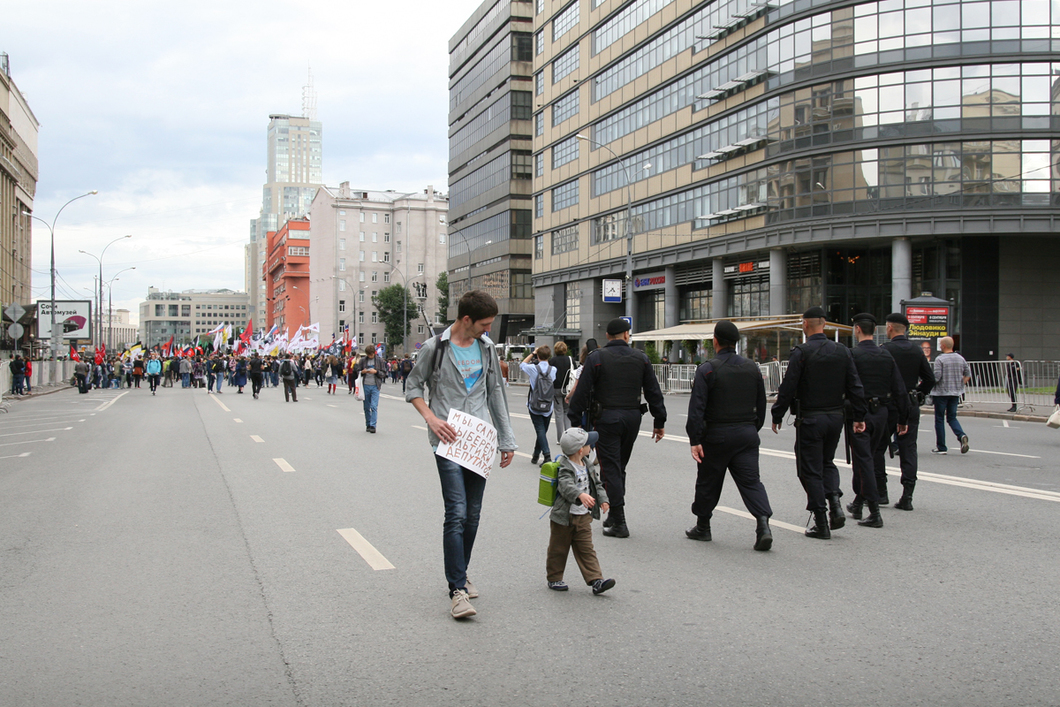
(293, 173)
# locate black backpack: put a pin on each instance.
(543, 393)
(285, 368)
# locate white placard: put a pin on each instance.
(475, 447)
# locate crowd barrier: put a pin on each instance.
(40, 378)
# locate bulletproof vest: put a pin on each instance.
(908, 355)
(875, 367)
(734, 395)
(618, 380)
(823, 381)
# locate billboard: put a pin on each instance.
(72, 317)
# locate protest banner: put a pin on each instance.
(475, 447)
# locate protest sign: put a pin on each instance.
(475, 447)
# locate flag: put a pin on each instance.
(167, 348)
(101, 354)
(74, 356)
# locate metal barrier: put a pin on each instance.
(40, 378)
(679, 378)
(1039, 382)
(993, 383)
(772, 375)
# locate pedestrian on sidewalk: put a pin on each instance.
(1013, 379)
(18, 375)
(952, 373)
(465, 377)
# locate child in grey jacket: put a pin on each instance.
(579, 498)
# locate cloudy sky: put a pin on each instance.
(163, 108)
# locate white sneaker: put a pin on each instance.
(462, 608)
(472, 593)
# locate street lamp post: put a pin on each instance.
(99, 302)
(110, 308)
(54, 340)
(629, 226)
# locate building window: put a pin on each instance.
(342, 244)
(565, 20)
(539, 247)
(539, 206)
(419, 267)
(522, 105)
(342, 264)
(375, 256)
(565, 64)
(386, 237)
(360, 315)
(375, 236)
(386, 256)
(564, 108)
(360, 336)
(539, 83)
(539, 43)
(375, 218)
(342, 224)
(522, 162)
(375, 317)
(362, 236)
(386, 218)
(342, 285)
(386, 276)
(419, 329)
(361, 256)
(342, 305)
(565, 195)
(564, 152)
(539, 124)
(573, 318)
(375, 338)
(360, 276)
(565, 240)
(539, 164)
(362, 216)
(375, 276)
(360, 296)
(522, 47)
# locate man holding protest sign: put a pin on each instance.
(460, 366)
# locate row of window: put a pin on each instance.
(514, 224)
(483, 70)
(514, 105)
(565, 20)
(564, 152)
(503, 284)
(621, 24)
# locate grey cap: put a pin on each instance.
(575, 438)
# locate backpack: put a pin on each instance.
(546, 486)
(285, 368)
(406, 365)
(564, 387)
(543, 393)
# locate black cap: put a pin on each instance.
(897, 318)
(726, 331)
(865, 317)
(591, 345)
(616, 326)
(814, 313)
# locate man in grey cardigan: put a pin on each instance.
(464, 375)
(373, 374)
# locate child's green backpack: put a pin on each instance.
(546, 486)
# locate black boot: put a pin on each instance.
(854, 509)
(836, 518)
(618, 527)
(700, 531)
(874, 520)
(818, 526)
(763, 535)
(881, 489)
(905, 503)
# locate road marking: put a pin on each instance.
(256, 438)
(1005, 423)
(32, 424)
(1004, 454)
(236, 419)
(772, 522)
(332, 406)
(110, 402)
(391, 397)
(284, 466)
(32, 432)
(16, 456)
(218, 401)
(366, 550)
(31, 441)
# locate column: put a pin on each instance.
(672, 312)
(901, 272)
(778, 282)
(719, 299)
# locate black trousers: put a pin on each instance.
(816, 441)
(733, 448)
(907, 451)
(866, 453)
(618, 431)
(290, 390)
(255, 383)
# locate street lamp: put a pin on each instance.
(110, 307)
(629, 225)
(54, 340)
(99, 305)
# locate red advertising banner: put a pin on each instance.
(928, 322)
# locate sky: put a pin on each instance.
(163, 108)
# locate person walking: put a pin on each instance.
(725, 413)
(186, 368)
(373, 375)
(256, 368)
(154, 371)
(219, 368)
(540, 399)
(952, 373)
(81, 374)
(564, 364)
(1013, 379)
(332, 371)
(406, 369)
(884, 388)
(239, 375)
(918, 380)
(460, 368)
(138, 371)
(289, 374)
(615, 376)
(820, 377)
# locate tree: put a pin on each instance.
(442, 283)
(389, 303)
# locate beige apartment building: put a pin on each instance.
(362, 241)
(187, 315)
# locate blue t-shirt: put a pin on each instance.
(468, 362)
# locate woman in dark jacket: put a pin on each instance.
(239, 378)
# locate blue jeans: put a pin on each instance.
(17, 381)
(185, 380)
(462, 492)
(371, 404)
(541, 423)
(946, 412)
(220, 380)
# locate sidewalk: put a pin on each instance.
(38, 391)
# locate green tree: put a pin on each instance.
(389, 303)
(442, 283)
(652, 352)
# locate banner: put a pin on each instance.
(475, 447)
(73, 317)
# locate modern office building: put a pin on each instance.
(364, 241)
(187, 315)
(286, 277)
(779, 154)
(18, 185)
(294, 172)
(490, 168)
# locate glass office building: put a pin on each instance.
(779, 154)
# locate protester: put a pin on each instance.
(289, 373)
(154, 371)
(138, 371)
(373, 375)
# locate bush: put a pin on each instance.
(652, 353)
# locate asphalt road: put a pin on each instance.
(165, 550)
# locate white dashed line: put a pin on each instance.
(366, 550)
(218, 401)
(16, 456)
(284, 466)
(33, 432)
(30, 441)
(256, 438)
(236, 419)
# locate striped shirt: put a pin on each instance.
(950, 371)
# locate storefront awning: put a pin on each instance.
(705, 330)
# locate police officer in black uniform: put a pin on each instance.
(918, 380)
(725, 413)
(613, 378)
(883, 388)
(820, 377)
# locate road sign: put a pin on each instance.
(14, 312)
(15, 331)
(630, 320)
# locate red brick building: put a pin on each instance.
(286, 274)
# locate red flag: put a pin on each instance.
(198, 350)
(245, 336)
(167, 347)
(74, 356)
(101, 354)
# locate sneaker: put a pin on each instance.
(964, 444)
(533, 460)
(461, 606)
(472, 593)
(936, 450)
(559, 586)
(602, 585)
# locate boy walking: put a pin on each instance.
(580, 497)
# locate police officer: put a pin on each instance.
(883, 389)
(918, 380)
(820, 376)
(613, 378)
(725, 413)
